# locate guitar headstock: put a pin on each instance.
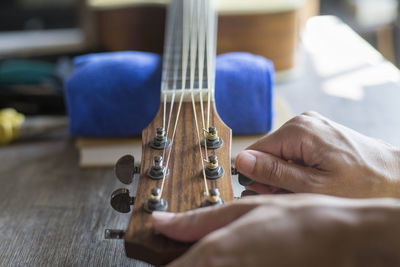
(184, 186)
(184, 166)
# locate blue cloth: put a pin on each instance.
(118, 94)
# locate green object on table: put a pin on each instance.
(25, 72)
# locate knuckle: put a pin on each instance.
(301, 125)
(311, 113)
(314, 184)
(297, 119)
(302, 120)
(272, 170)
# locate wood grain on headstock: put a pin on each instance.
(184, 187)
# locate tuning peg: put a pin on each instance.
(246, 193)
(160, 141)
(157, 171)
(234, 170)
(213, 141)
(213, 170)
(155, 202)
(121, 200)
(213, 198)
(125, 169)
(243, 180)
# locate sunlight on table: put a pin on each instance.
(348, 68)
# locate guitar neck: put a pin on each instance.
(189, 51)
(186, 148)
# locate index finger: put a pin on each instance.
(293, 141)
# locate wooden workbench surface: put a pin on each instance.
(54, 214)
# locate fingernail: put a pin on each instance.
(246, 162)
(162, 217)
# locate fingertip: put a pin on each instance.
(161, 218)
(176, 225)
(245, 162)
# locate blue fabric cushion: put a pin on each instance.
(118, 94)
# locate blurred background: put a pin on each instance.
(38, 39)
(54, 189)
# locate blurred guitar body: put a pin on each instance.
(267, 28)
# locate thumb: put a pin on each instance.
(268, 169)
(193, 225)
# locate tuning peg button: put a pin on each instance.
(244, 181)
(125, 169)
(121, 200)
(234, 171)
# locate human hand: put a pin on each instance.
(311, 154)
(288, 230)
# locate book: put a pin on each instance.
(94, 152)
(104, 152)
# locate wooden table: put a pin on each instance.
(345, 79)
(54, 214)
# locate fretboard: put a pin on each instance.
(189, 50)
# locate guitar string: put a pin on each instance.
(171, 43)
(209, 59)
(185, 51)
(214, 32)
(193, 53)
(166, 60)
(201, 68)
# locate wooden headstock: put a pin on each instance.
(195, 175)
(184, 186)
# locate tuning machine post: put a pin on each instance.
(213, 198)
(155, 202)
(213, 170)
(160, 141)
(157, 171)
(212, 141)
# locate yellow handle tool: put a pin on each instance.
(10, 123)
